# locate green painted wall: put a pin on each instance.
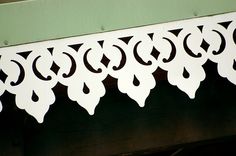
(38, 20)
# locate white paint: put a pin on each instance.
(86, 87)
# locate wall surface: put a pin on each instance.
(119, 125)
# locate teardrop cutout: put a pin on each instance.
(185, 74)
(34, 97)
(234, 65)
(86, 89)
(136, 81)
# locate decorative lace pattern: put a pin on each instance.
(81, 63)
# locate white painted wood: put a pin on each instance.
(81, 63)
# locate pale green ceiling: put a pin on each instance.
(38, 20)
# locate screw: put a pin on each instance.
(5, 42)
(102, 28)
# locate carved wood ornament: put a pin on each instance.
(81, 63)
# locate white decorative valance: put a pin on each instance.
(81, 63)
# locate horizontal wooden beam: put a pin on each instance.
(37, 20)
